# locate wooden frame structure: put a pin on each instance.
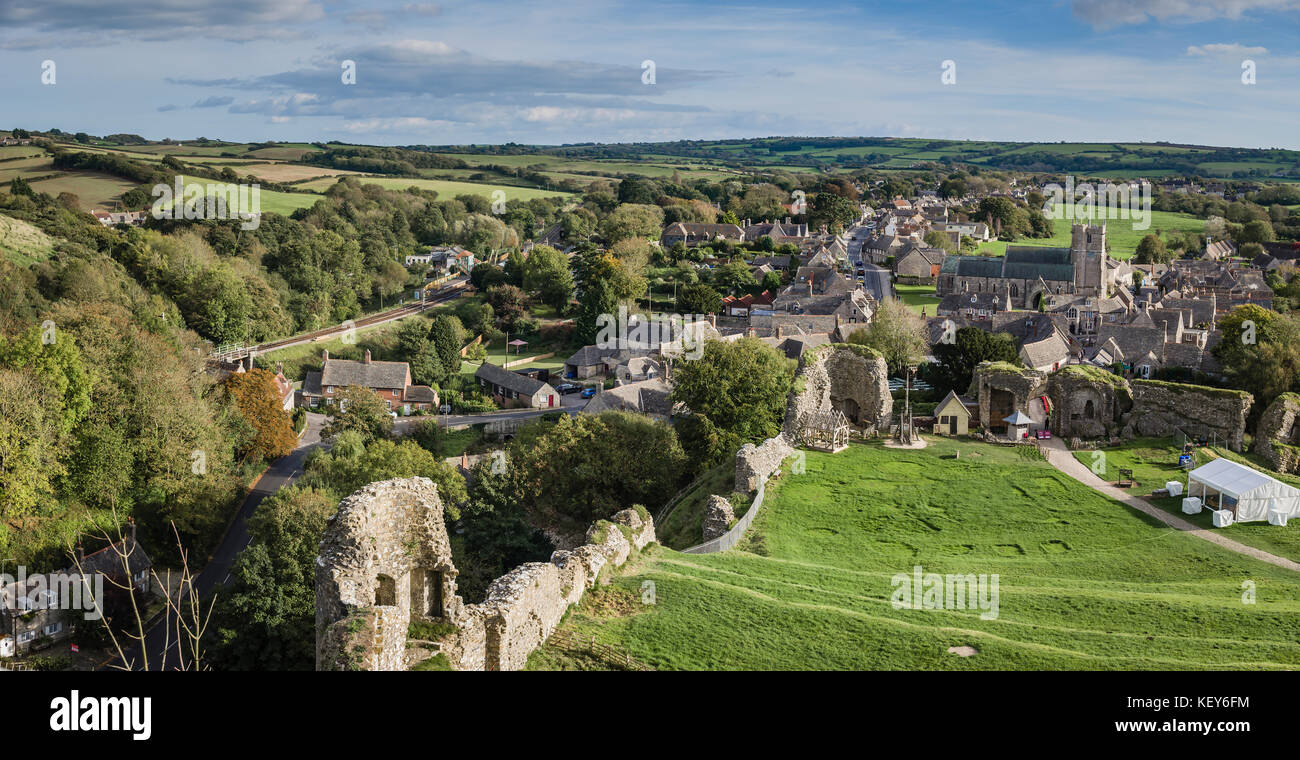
(825, 431)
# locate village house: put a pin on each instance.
(114, 218)
(741, 307)
(973, 307)
(512, 388)
(391, 381)
(651, 397)
(445, 259)
(786, 232)
(692, 234)
(919, 265)
(42, 609)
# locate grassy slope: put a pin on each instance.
(1084, 581)
(23, 244)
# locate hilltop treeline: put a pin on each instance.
(395, 161)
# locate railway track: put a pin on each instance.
(436, 298)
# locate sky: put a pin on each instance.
(451, 73)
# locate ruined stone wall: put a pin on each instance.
(385, 561)
(524, 606)
(718, 517)
(991, 378)
(839, 376)
(755, 464)
(1087, 402)
(1159, 408)
(1275, 436)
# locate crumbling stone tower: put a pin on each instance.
(384, 561)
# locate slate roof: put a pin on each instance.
(499, 376)
(345, 372)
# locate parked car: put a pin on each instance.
(567, 388)
(589, 392)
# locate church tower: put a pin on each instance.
(1088, 255)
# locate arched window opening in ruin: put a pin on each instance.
(1089, 411)
(386, 592)
(1015, 290)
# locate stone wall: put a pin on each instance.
(840, 376)
(755, 464)
(1087, 402)
(1159, 408)
(385, 561)
(993, 378)
(718, 517)
(1276, 435)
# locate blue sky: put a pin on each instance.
(490, 72)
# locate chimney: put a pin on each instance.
(130, 529)
(81, 553)
(713, 320)
(780, 332)
(367, 356)
(279, 368)
(325, 355)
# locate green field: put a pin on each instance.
(1120, 233)
(1084, 582)
(95, 190)
(1154, 462)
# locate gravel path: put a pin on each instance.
(1059, 456)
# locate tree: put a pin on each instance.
(546, 274)
(632, 220)
(835, 211)
(698, 299)
(266, 620)
(257, 398)
(1257, 231)
(487, 275)
(897, 332)
(588, 467)
(740, 387)
(362, 410)
(446, 337)
(939, 239)
(733, 276)
(509, 304)
(971, 345)
(1151, 250)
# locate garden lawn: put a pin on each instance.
(918, 297)
(1084, 582)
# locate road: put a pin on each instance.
(283, 472)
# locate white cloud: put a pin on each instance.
(1232, 50)
(1105, 14)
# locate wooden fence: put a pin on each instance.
(585, 643)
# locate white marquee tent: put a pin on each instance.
(1248, 493)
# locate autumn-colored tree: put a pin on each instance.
(257, 397)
